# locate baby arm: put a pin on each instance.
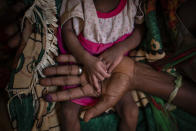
(95, 68)
(114, 55)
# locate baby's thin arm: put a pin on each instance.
(114, 55)
(95, 67)
(133, 41)
(72, 43)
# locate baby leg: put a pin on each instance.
(69, 116)
(128, 112)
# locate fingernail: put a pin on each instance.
(48, 98)
(82, 115)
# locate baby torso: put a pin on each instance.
(99, 27)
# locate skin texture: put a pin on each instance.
(156, 83)
(184, 99)
(95, 68)
(110, 87)
(125, 106)
(144, 78)
(101, 67)
(98, 69)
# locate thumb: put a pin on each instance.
(105, 103)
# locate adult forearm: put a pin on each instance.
(161, 84)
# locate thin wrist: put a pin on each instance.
(123, 48)
(84, 57)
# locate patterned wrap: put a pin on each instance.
(26, 104)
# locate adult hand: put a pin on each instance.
(113, 88)
(67, 75)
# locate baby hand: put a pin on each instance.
(111, 58)
(96, 71)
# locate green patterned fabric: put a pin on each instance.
(150, 118)
(107, 122)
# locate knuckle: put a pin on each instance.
(98, 63)
(101, 78)
(65, 79)
(45, 71)
(61, 58)
(46, 81)
(42, 81)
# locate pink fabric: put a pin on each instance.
(114, 12)
(99, 30)
(94, 49)
(97, 48)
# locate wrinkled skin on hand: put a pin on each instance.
(113, 88)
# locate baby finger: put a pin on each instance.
(100, 77)
(95, 82)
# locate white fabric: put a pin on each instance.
(99, 30)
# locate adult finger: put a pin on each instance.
(105, 103)
(112, 90)
(70, 94)
(62, 70)
(66, 58)
(61, 81)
